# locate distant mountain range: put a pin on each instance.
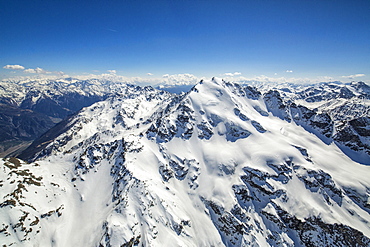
(333, 111)
(30, 107)
(223, 164)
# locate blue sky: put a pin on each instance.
(293, 38)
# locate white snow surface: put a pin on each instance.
(151, 183)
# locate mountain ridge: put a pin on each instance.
(51, 100)
(213, 166)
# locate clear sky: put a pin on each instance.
(292, 38)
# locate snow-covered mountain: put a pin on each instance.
(28, 107)
(335, 112)
(45, 95)
(222, 165)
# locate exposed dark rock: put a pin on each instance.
(235, 132)
(204, 131)
(258, 126)
(276, 105)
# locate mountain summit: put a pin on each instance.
(221, 165)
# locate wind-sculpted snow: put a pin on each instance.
(217, 166)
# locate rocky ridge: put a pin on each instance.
(44, 102)
(223, 165)
(335, 112)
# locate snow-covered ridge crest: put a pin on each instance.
(217, 166)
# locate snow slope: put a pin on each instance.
(218, 166)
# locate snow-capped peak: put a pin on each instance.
(222, 165)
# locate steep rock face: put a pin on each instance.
(355, 134)
(276, 105)
(208, 168)
(319, 123)
(327, 110)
